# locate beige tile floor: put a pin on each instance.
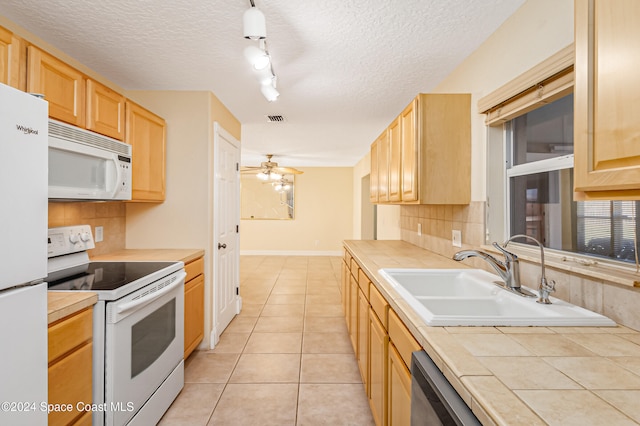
(285, 360)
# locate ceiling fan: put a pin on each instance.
(269, 170)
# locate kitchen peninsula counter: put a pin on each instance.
(519, 375)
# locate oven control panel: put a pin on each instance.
(69, 239)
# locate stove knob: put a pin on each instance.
(74, 238)
(84, 236)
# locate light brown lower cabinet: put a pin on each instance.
(378, 347)
(193, 305)
(363, 338)
(399, 390)
(70, 353)
(353, 311)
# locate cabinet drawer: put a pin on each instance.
(193, 269)
(70, 332)
(70, 383)
(402, 339)
(354, 267)
(363, 283)
(378, 304)
(347, 257)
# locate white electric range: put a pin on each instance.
(138, 327)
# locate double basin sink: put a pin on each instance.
(469, 297)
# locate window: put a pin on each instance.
(539, 176)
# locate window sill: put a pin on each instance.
(600, 269)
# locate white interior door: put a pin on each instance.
(226, 218)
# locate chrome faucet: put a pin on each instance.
(509, 270)
(546, 287)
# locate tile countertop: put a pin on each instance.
(61, 304)
(184, 255)
(519, 375)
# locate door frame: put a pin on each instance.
(216, 206)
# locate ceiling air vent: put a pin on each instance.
(275, 118)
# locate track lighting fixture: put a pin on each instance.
(258, 56)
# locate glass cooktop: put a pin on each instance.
(103, 276)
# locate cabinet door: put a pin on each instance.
(69, 383)
(344, 288)
(383, 168)
(62, 86)
(399, 396)
(105, 110)
(409, 142)
(373, 176)
(10, 60)
(145, 132)
(363, 339)
(193, 314)
(607, 90)
(353, 312)
(378, 347)
(395, 161)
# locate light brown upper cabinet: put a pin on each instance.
(395, 161)
(408, 120)
(105, 110)
(11, 60)
(383, 167)
(62, 86)
(73, 98)
(434, 149)
(607, 89)
(146, 132)
(373, 177)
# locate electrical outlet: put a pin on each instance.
(456, 238)
(99, 234)
(419, 229)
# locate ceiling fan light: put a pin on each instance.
(263, 176)
(269, 92)
(255, 27)
(275, 176)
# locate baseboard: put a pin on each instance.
(289, 253)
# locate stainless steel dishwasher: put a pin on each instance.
(433, 400)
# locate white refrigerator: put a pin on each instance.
(23, 258)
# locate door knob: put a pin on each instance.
(224, 246)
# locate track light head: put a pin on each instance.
(255, 27)
(269, 92)
(257, 57)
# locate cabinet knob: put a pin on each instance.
(224, 246)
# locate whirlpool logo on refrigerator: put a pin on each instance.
(26, 130)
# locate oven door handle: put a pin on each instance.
(179, 280)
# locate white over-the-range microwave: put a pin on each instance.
(84, 165)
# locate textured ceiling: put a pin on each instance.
(345, 68)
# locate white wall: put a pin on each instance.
(323, 217)
(534, 32)
(182, 220)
